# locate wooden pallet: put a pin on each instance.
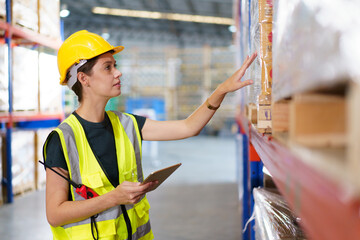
(23, 188)
(323, 128)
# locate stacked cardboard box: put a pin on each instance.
(41, 16)
(264, 122)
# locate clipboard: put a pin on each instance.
(161, 175)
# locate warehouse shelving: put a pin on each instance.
(322, 202)
(317, 173)
(16, 36)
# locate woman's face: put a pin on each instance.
(105, 78)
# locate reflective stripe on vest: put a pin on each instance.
(84, 168)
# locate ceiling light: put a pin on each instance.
(232, 28)
(162, 15)
(105, 35)
(64, 12)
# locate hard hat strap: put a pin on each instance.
(73, 73)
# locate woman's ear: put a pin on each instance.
(83, 79)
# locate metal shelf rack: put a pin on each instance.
(15, 35)
(327, 212)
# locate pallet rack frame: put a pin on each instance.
(27, 120)
(326, 209)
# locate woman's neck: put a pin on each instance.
(91, 112)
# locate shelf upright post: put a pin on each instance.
(8, 180)
(246, 201)
(256, 180)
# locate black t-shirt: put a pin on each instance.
(102, 142)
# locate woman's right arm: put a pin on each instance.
(60, 211)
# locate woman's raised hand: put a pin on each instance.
(234, 82)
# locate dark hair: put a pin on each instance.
(87, 69)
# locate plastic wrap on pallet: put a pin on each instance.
(25, 13)
(245, 30)
(41, 173)
(25, 79)
(254, 71)
(316, 44)
(4, 80)
(274, 220)
(50, 90)
(23, 164)
(49, 17)
(2, 9)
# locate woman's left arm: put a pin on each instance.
(192, 125)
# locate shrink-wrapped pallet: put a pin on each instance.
(41, 136)
(23, 171)
(2, 9)
(316, 45)
(49, 18)
(254, 71)
(25, 13)
(50, 90)
(274, 220)
(4, 80)
(25, 79)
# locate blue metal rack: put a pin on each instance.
(252, 177)
(8, 180)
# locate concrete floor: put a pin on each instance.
(199, 201)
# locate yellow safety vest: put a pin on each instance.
(85, 169)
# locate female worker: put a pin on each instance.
(102, 149)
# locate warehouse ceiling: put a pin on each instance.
(151, 32)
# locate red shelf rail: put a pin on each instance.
(28, 116)
(321, 203)
(29, 35)
(325, 208)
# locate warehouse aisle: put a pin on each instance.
(198, 202)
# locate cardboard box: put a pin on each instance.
(265, 11)
(280, 116)
(318, 120)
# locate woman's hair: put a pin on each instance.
(87, 69)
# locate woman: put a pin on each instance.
(102, 150)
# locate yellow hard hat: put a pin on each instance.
(81, 45)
